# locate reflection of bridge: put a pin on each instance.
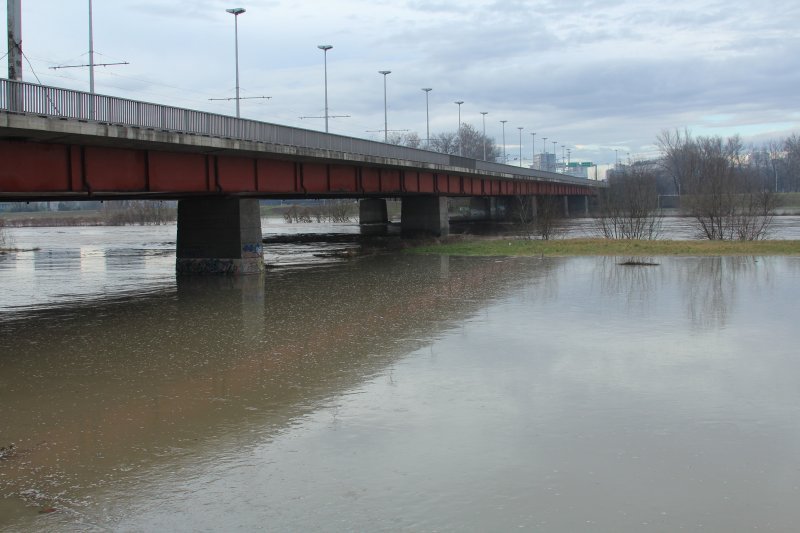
(63, 144)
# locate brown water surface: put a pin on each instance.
(397, 392)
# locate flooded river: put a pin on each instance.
(393, 392)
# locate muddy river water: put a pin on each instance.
(394, 392)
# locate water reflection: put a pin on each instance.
(408, 393)
(709, 286)
(95, 391)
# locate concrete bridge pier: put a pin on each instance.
(500, 209)
(219, 236)
(577, 206)
(425, 214)
(372, 211)
(480, 208)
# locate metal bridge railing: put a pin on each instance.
(34, 99)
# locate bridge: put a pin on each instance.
(60, 144)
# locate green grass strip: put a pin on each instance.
(634, 248)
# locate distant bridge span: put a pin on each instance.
(58, 144)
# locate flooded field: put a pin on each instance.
(393, 392)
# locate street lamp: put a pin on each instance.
(505, 158)
(460, 143)
(484, 113)
(236, 11)
(544, 148)
(325, 48)
(385, 113)
(520, 128)
(533, 149)
(427, 117)
(91, 51)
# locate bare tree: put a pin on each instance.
(525, 214)
(445, 143)
(791, 146)
(726, 198)
(138, 212)
(628, 208)
(549, 219)
(470, 141)
(410, 139)
(538, 216)
(679, 157)
(5, 239)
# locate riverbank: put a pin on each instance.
(572, 247)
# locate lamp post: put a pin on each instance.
(236, 11)
(385, 112)
(544, 148)
(505, 158)
(325, 48)
(484, 113)
(533, 149)
(91, 51)
(460, 144)
(616, 158)
(427, 117)
(520, 128)
(14, 40)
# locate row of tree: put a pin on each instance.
(467, 142)
(727, 192)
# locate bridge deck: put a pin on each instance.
(62, 143)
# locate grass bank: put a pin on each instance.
(632, 248)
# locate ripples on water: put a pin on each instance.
(396, 393)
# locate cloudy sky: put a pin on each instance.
(593, 75)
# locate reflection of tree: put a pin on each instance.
(638, 284)
(710, 287)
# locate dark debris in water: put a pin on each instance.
(638, 263)
(6, 452)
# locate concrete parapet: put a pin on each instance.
(219, 236)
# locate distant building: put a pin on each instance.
(577, 170)
(546, 162)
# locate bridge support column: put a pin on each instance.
(578, 205)
(479, 208)
(425, 214)
(501, 208)
(219, 236)
(372, 211)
